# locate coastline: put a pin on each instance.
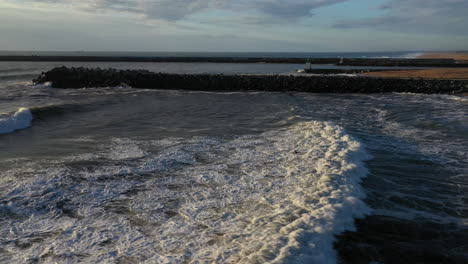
(461, 58)
(446, 74)
(444, 55)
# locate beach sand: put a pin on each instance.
(427, 74)
(443, 73)
(445, 55)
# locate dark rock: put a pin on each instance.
(63, 77)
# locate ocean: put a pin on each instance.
(122, 175)
(382, 54)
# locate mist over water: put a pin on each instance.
(119, 174)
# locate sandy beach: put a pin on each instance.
(427, 74)
(431, 73)
(445, 55)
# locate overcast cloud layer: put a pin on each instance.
(427, 15)
(304, 22)
(179, 9)
(430, 16)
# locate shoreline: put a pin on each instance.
(461, 59)
(446, 74)
(462, 55)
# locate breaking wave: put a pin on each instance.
(276, 197)
(23, 117)
(43, 112)
(20, 119)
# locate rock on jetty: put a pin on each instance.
(63, 77)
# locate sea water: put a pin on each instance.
(114, 174)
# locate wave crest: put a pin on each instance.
(276, 197)
(20, 119)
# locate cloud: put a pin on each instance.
(291, 10)
(426, 16)
(179, 9)
(159, 9)
(422, 16)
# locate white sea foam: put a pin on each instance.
(20, 119)
(457, 98)
(125, 149)
(393, 127)
(39, 85)
(277, 197)
(412, 55)
(347, 74)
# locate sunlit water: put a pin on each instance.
(105, 175)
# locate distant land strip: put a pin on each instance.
(445, 73)
(438, 62)
(460, 56)
(63, 77)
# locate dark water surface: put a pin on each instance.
(394, 54)
(122, 175)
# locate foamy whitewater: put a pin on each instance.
(272, 198)
(122, 175)
(18, 120)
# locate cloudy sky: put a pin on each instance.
(234, 25)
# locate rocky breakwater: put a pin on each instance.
(63, 77)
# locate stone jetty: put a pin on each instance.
(63, 77)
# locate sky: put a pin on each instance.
(234, 25)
